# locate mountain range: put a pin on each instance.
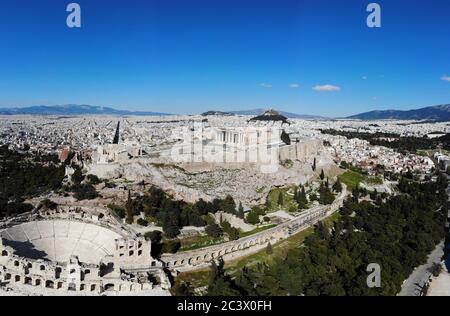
(72, 109)
(432, 113)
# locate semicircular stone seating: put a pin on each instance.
(58, 240)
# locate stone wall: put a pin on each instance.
(191, 260)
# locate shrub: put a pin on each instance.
(171, 246)
(142, 222)
(85, 192)
(213, 230)
(93, 179)
(117, 210)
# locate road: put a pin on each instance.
(413, 285)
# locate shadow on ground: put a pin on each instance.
(26, 250)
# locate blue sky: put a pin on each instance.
(189, 56)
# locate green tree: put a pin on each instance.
(182, 289)
(280, 201)
(253, 218)
(220, 284)
(84, 192)
(93, 179)
(326, 197)
(77, 176)
(171, 246)
(47, 204)
(269, 249)
(322, 175)
(129, 209)
(302, 199)
(228, 205)
(213, 230)
(337, 186)
(241, 213)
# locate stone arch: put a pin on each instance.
(17, 278)
(109, 287)
(42, 267)
(72, 287)
(199, 258)
(191, 260)
(93, 287)
(37, 282)
(49, 284)
(28, 280)
(5, 253)
(82, 287)
(59, 285)
(7, 276)
(58, 271)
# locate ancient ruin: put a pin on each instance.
(73, 251)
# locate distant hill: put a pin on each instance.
(257, 112)
(217, 113)
(271, 115)
(432, 113)
(72, 109)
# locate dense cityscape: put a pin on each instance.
(142, 178)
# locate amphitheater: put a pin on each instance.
(58, 240)
(73, 252)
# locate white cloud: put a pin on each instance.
(364, 78)
(445, 78)
(326, 88)
(266, 85)
(294, 86)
